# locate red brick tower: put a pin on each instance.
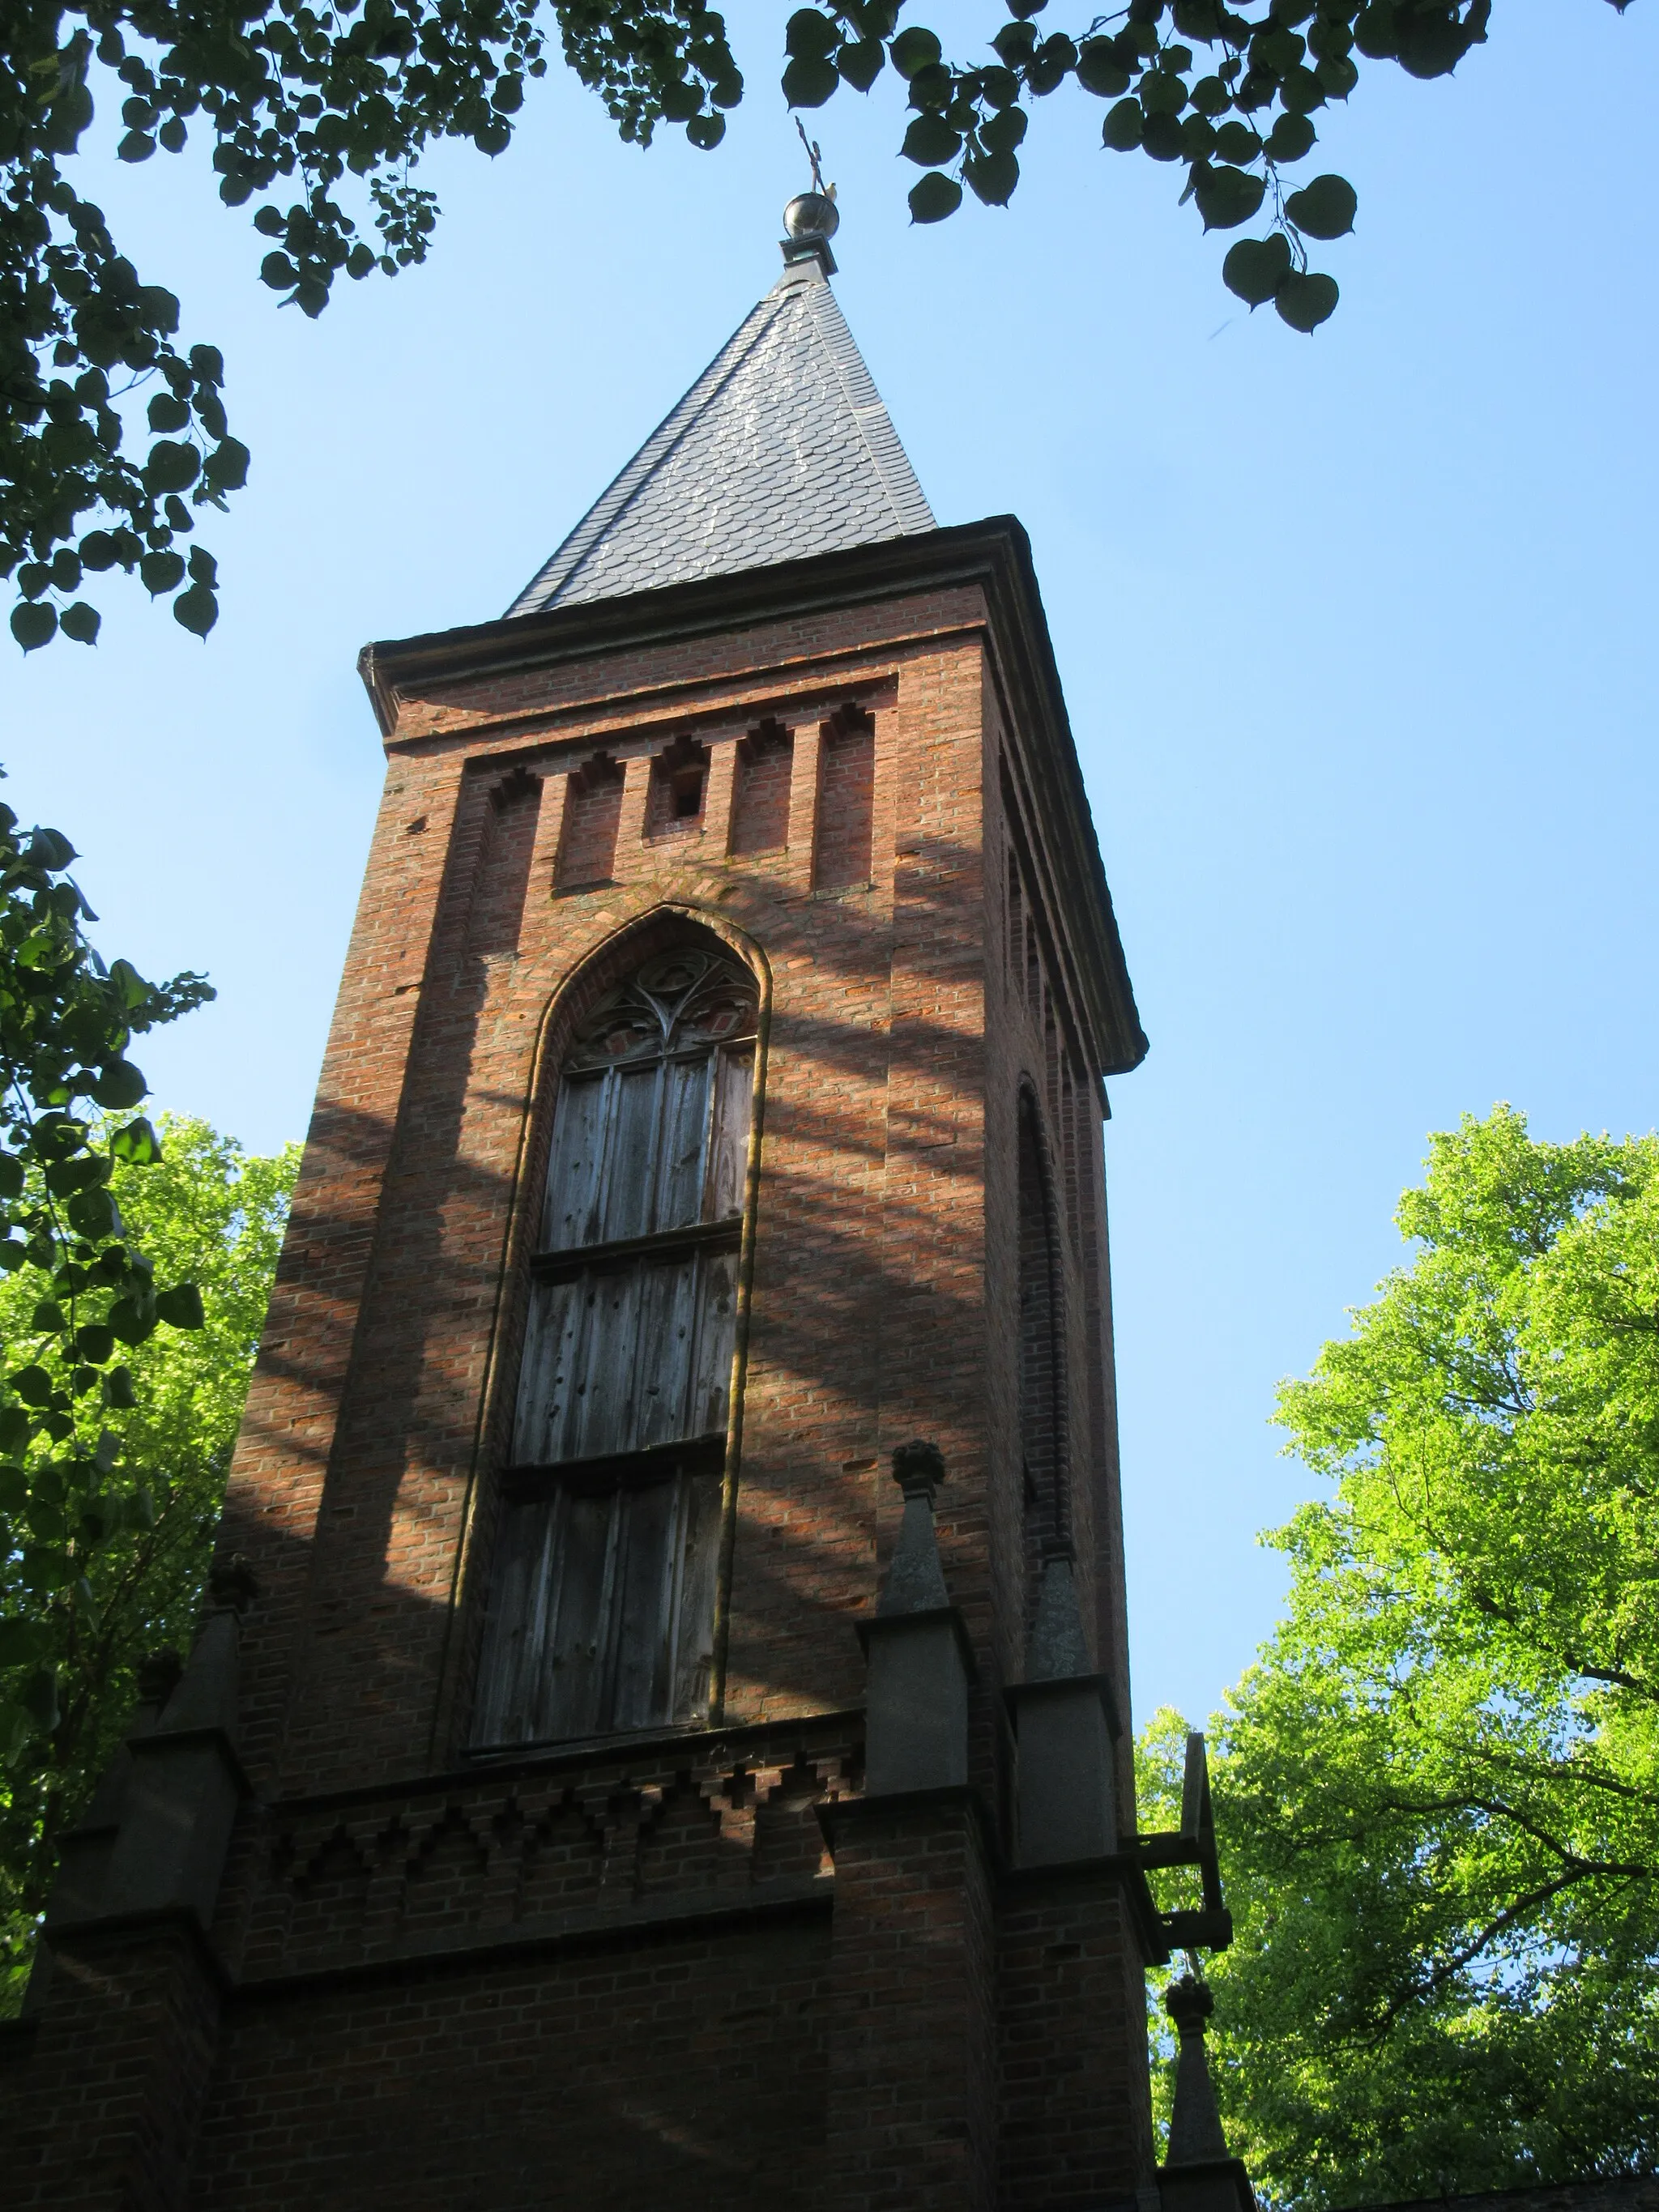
(600, 1781)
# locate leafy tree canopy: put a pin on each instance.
(200, 1211)
(317, 117)
(82, 1291)
(1437, 1793)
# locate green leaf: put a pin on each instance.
(1015, 43)
(1051, 64)
(279, 272)
(860, 62)
(227, 465)
(180, 1307)
(119, 1391)
(92, 1214)
(81, 622)
(809, 81)
(1236, 142)
(196, 611)
(992, 177)
(1163, 92)
(1376, 31)
(136, 146)
(11, 1176)
(32, 1385)
(1307, 301)
(1003, 132)
(132, 1320)
(33, 623)
(171, 466)
(1256, 267)
(160, 572)
(931, 141)
(23, 1642)
(1160, 135)
(120, 1084)
(95, 1343)
(97, 550)
(913, 49)
(1122, 128)
(167, 413)
(48, 1318)
(809, 35)
(39, 1698)
(1290, 137)
(705, 132)
(1301, 92)
(1227, 196)
(137, 1143)
(1099, 70)
(14, 1432)
(1324, 209)
(934, 196)
(1198, 19)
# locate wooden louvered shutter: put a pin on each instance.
(603, 1605)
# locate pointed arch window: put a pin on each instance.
(602, 1612)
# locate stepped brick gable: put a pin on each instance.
(658, 1737)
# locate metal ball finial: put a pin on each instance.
(811, 215)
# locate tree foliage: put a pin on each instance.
(1437, 1793)
(204, 1212)
(81, 1291)
(318, 117)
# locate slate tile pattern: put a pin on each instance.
(781, 448)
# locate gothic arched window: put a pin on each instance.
(602, 1612)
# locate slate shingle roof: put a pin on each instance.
(782, 447)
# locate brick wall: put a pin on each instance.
(599, 1972)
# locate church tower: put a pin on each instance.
(660, 1735)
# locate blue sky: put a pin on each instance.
(1352, 630)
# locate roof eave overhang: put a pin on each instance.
(995, 554)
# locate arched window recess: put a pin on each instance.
(602, 1608)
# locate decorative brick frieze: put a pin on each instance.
(536, 1848)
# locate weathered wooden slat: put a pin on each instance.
(631, 1150)
(728, 1149)
(683, 1141)
(710, 1378)
(693, 1657)
(640, 1624)
(570, 1215)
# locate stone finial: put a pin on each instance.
(1195, 2131)
(916, 1580)
(158, 1677)
(206, 1693)
(232, 1585)
(1056, 1647)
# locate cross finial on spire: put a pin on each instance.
(815, 155)
(811, 218)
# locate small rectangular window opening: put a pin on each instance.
(679, 782)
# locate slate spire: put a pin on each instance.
(781, 448)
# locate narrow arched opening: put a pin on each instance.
(1042, 1440)
(602, 1605)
